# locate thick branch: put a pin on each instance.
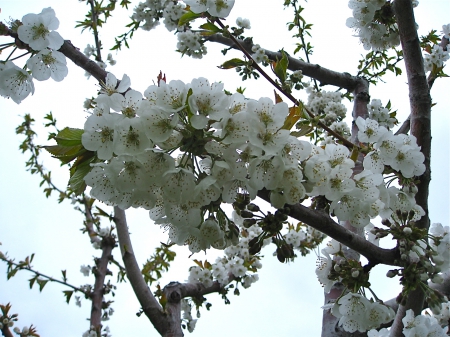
(321, 221)
(6, 332)
(323, 75)
(420, 104)
(77, 57)
(150, 305)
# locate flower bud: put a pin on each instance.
(247, 214)
(253, 208)
(355, 273)
(437, 279)
(249, 222)
(407, 230)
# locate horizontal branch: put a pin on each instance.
(323, 75)
(321, 221)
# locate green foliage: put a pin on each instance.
(209, 29)
(68, 149)
(188, 17)
(377, 63)
(233, 63)
(158, 263)
(279, 67)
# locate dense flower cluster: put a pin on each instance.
(436, 58)
(235, 265)
(187, 318)
(326, 104)
(191, 44)
(373, 33)
(224, 144)
(421, 325)
(259, 55)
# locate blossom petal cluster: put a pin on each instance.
(372, 33)
(356, 313)
(218, 8)
(38, 31)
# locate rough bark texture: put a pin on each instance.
(420, 104)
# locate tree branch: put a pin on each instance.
(150, 305)
(404, 129)
(321, 221)
(6, 332)
(108, 243)
(420, 104)
(323, 75)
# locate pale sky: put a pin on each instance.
(286, 300)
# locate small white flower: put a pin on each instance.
(48, 63)
(15, 82)
(37, 30)
(243, 23)
(85, 270)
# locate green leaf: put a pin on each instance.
(187, 17)
(102, 213)
(69, 137)
(32, 280)
(280, 67)
(76, 181)
(41, 283)
(302, 131)
(233, 63)
(210, 29)
(65, 153)
(68, 294)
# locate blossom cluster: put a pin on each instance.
(235, 265)
(191, 44)
(326, 104)
(373, 33)
(356, 313)
(187, 318)
(38, 31)
(421, 325)
(181, 149)
(436, 58)
(218, 8)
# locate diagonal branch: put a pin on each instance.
(150, 305)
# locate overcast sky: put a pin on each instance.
(287, 299)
